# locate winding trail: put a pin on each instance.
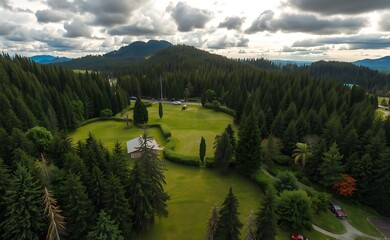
(350, 233)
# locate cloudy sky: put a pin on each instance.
(345, 30)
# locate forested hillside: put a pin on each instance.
(50, 188)
(53, 97)
(119, 59)
(290, 106)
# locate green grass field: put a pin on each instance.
(110, 131)
(188, 126)
(194, 191)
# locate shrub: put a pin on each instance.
(223, 109)
(286, 181)
(105, 113)
(283, 160)
(171, 155)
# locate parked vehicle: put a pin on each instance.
(176, 102)
(337, 210)
(296, 236)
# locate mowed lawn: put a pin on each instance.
(188, 126)
(194, 191)
(111, 131)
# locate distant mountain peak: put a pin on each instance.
(48, 59)
(380, 64)
(139, 49)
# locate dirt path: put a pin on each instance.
(350, 233)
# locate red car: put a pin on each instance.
(337, 210)
(296, 236)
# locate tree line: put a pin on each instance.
(53, 97)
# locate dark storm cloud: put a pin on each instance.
(110, 13)
(188, 18)
(373, 41)
(46, 16)
(331, 7)
(384, 23)
(226, 42)
(77, 28)
(305, 23)
(6, 28)
(232, 23)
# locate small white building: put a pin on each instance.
(133, 147)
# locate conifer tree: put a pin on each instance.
(228, 225)
(160, 110)
(222, 152)
(266, 218)
(289, 138)
(212, 224)
(140, 189)
(230, 131)
(105, 229)
(248, 156)
(24, 217)
(331, 168)
(78, 209)
(96, 186)
(117, 205)
(5, 178)
(140, 113)
(154, 169)
(118, 164)
(202, 150)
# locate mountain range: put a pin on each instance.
(380, 64)
(142, 50)
(48, 59)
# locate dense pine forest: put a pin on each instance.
(93, 188)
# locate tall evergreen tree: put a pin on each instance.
(248, 156)
(331, 167)
(202, 150)
(140, 113)
(105, 229)
(154, 169)
(289, 138)
(229, 225)
(160, 110)
(222, 152)
(24, 217)
(78, 209)
(230, 131)
(212, 224)
(5, 178)
(141, 194)
(266, 219)
(117, 205)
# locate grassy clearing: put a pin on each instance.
(329, 222)
(188, 126)
(357, 217)
(194, 191)
(110, 131)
